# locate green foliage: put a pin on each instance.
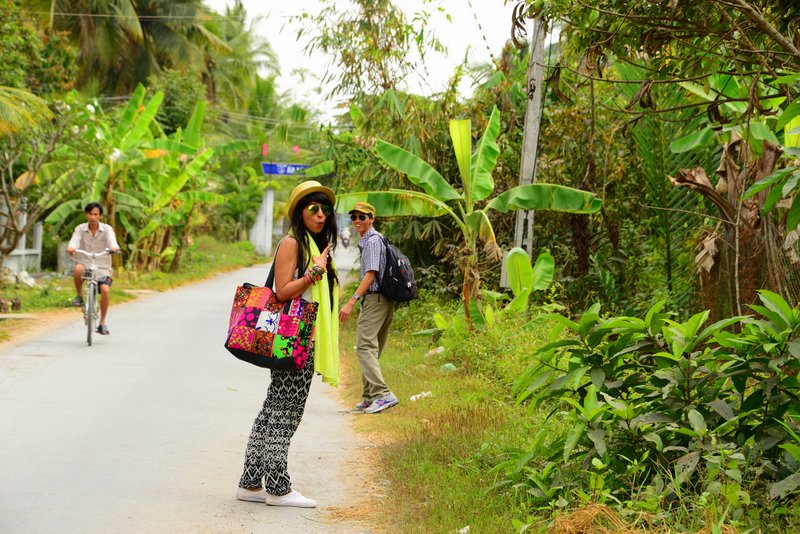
(182, 90)
(630, 30)
(782, 184)
(369, 45)
(664, 409)
(20, 45)
(440, 198)
(243, 192)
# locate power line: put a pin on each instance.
(203, 17)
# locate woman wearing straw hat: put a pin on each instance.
(303, 266)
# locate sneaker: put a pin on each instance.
(361, 406)
(103, 330)
(380, 404)
(77, 301)
(293, 498)
(244, 494)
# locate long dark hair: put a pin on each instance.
(328, 234)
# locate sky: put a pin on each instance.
(461, 36)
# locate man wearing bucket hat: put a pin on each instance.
(376, 314)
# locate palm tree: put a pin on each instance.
(123, 42)
(232, 73)
(20, 109)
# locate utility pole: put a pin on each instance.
(523, 231)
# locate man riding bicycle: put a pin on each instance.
(94, 236)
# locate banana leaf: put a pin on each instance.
(175, 184)
(394, 203)
(461, 136)
(357, 116)
(130, 112)
(546, 197)
(193, 136)
(236, 146)
(484, 159)
(419, 172)
(169, 145)
(141, 125)
(543, 271)
(480, 223)
(127, 200)
(320, 169)
(520, 272)
(63, 211)
(205, 197)
(100, 179)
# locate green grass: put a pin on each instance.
(438, 451)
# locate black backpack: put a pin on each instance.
(398, 282)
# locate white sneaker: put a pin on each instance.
(244, 494)
(294, 498)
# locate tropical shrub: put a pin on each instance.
(651, 409)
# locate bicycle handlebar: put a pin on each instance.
(105, 252)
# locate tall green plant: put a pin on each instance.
(439, 198)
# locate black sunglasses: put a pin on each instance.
(360, 217)
(314, 208)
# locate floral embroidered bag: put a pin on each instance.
(267, 332)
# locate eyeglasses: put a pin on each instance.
(314, 208)
(360, 217)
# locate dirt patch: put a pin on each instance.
(19, 330)
(362, 471)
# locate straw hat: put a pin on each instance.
(306, 188)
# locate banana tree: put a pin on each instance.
(119, 155)
(438, 198)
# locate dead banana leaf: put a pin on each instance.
(25, 180)
(705, 259)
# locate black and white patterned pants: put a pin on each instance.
(268, 447)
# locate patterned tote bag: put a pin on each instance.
(267, 332)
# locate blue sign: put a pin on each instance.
(283, 168)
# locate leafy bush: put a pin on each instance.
(652, 409)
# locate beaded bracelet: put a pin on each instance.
(314, 275)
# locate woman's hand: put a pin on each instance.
(321, 261)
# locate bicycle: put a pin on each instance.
(91, 304)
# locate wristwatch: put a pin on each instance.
(356, 296)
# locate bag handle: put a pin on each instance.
(271, 276)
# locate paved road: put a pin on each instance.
(145, 431)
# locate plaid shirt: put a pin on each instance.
(104, 238)
(372, 256)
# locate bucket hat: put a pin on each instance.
(306, 188)
(364, 207)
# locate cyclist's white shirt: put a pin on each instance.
(104, 238)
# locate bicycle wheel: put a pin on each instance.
(91, 298)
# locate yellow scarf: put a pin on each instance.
(326, 332)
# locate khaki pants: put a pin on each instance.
(374, 322)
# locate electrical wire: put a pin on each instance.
(203, 17)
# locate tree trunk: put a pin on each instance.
(748, 254)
